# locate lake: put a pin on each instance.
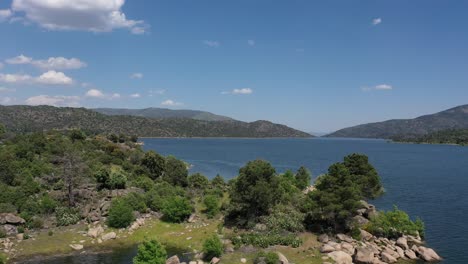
(429, 181)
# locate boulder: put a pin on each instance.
(360, 220)
(388, 258)
(215, 260)
(410, 254)
(95, 232)
(243, 260)
(323, 238)
(348, 248)
(282, 258)
(10, 230)
(400, 252)
(345, 238)
(428, 254)
(173, 260)
(260, 227)
(341, 257)
(391, 252)
(76, 246)
(105, 208)
(365, 235)
(193, 218)
(327, 248)
(108, 236)
(13, 219)
(402, 242)
(20, 237)
(364, 255)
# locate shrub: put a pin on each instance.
(212, 247)
(156, 197)
(284, 218)
(177, 209)
(117, 179)
(7, 208)
(175, 172)
(66, 216)
(120, 214)
(211, 203)
(150, 252)
(198, 181)
(136, 201)
(50, 233)
(266, 258)
(20, 229)
(394, 223)
(144, 183)
(48, 204)
(2, 233)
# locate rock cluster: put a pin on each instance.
(9, 223)
(344, 249)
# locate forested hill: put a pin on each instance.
(159, 113)
(451, 136)
(454, 118)
(22, 118)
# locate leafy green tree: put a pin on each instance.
(364, 174)
(177, 209)
(150, 252)
(136, 201)
(162, 191)
(117, 179)
(120, 214)
(176, 172)
(303, 178)
(213, 247)
(155, 164)
(77, 135)
(211, 203)
(218, 182)
(253, 193)
(198, 181)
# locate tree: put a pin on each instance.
(218, 182)
(72, 169)
(303, 178)
(120, 214)
(176, 172)
(198, 181)
(254, 192)
(77, 135)
(211, 203)
(150, 252)
(213, 247)
(154, 163)
(177, 209)
(364, 174)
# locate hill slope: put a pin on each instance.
(22, 118)
(454, 118)
(163, 113)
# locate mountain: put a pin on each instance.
(454, 118)
(21, 118)
(163, 113)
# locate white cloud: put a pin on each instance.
(15, 78)
(54, 78)
(240, 91)
(52, 63)
(171, 103)
(84, 15)
(135, 95)
(251, 42)
(212, 43)
(136, 75)
(58, 100)
(5, 14)
(115, 96)
(379, 87)
(7, 100)
(376, 21)
(95, 93)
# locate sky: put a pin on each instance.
(313, 65)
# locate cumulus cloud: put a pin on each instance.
(251, 42)
(95, 93)
(135, 95)
(240, 91)
(379, 87)
(15, 78)
(376, 21)
(54, 78)
(57, 100)
(212, 43)
(52, 63)
(171, 103)
(136, 75)
(84, 15)
(5, 14)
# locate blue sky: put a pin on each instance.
(313, 65)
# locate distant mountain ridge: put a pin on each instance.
(160, 113)
(453, 118)
(22, 118)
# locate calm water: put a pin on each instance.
(429, 181)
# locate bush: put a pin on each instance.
(266, 240)
(284, 218)
(48, 204)
(117, 179)
(136, 201)
(50, 233)
(150, 252)
(66, 216)
(144, 183)
(212, 247)
(156, 197)
(266, 258)
(395, 223)
(177, 209)
(2, 233)
(211, 203)
(7, 208)
(120, 214)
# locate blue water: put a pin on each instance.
(428, 181)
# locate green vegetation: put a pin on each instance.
(266, 258)
(211, 203)
(213, 247)
(177, 209)
(150, 252)
(451, 136)
(266, 240)
(395, 223)
(66, 216)
(120, 213)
